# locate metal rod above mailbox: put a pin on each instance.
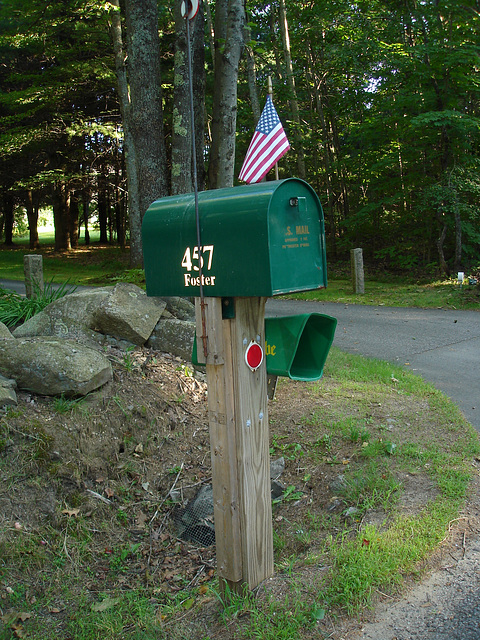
(258, 240)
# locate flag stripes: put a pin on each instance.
(268, 145)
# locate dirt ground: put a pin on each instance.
(128, 458)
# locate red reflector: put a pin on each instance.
(254, 355)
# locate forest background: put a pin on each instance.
(380, 102)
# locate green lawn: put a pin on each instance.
(399, 291)
(99, 264)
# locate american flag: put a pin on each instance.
(268, 145)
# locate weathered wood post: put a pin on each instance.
(358, 279)
(239, 437)
(33, 270)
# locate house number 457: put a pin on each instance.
(194, 255)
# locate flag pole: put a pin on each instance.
(270, 93)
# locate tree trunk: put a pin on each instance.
(211, 31)
(135, 217)
(458, 233)
(440, 241)
(8, 216)
(198, 64)
(61, 216)
(252, 78)
(86, 207)
(229, 23)
(182, 161)
(297, 134)
(102, 208)
(143, 47)
(316, 81)
(73, 220)
(120, 200)
(110, 213)
(32, 214)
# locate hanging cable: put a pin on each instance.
(189, 10)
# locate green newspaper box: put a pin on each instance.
(257, 240)
(296, 346)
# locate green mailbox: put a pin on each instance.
(257, 240)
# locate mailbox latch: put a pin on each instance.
(299, 203)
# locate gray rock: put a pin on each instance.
(173, 336)
(5, 332)
(42, 324)
(276, 489)
(124, 312)
(277, 467)
(8, 397)
(180, 308)
(128, 314)
(197, 515)
(51, 366)
(38, 325)
(334, 504)
(7, 383)
(338, 485)
(195, 522)
(74, 313)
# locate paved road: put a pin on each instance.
(440, 345)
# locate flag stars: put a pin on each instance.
(269, 118)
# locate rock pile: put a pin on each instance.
(61, 350)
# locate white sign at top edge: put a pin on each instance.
(192, 6)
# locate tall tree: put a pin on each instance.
(229, 42)
(182, 161)
(297, 129)
(143, 65)
(56, 91)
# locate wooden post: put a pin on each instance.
(239, 443)
(358, 279)
(33, 270)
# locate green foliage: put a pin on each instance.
(61, 404)
(388, 99)
(130, 615)
(15, 309)
(372, 486)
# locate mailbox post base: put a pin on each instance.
(239, 442)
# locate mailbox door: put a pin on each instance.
(297, 239)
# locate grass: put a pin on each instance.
(88, 265)
(399, 291)
(96, 264)
(327, 564)
(15, 309)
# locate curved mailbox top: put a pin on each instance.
(257, 240)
